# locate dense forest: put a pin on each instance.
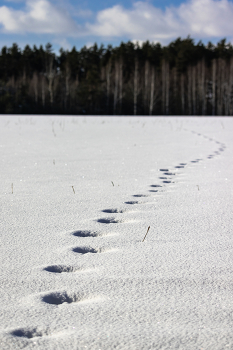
(182, 78)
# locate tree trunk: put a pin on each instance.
(50, 75)
(203, 87)
(116, 86)
(135, 85)
(108, 71)
(35, 86)
(194, 89)
(175, 94)
(219, 87)
(43, 90)
(189, 72)
(67, 84)
(182, 94)
(152, 90)
(120, 84)
(213, 86)
(167, 79)
(146, 87)
(163, 87)
(231, 88)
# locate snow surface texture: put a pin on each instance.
(75, 273)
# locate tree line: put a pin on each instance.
(182, 78)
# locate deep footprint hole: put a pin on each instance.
(60, 268)
(114, 211)
(132, 202)
(85, 233)
(108, 221)
(58, 298)
(85, 250)
(27, 333)
(140, 195)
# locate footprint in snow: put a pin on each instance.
(179, 166)
(29, 333)
(114, 211)
(61, 268)
(140, 195)
(85, 233)
(132, 202)
(58, 298)
(109, 221)
(170, 174)
(85, 250)
(156, 186)
(163, 169)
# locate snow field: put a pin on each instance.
(75, 273)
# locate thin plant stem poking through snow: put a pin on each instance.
(146, 234)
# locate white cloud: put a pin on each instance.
(39, 16)
(200, 18)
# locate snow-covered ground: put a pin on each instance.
(75, 273)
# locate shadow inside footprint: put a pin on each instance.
(132, 202)
(140, 195)
(27, 333)
(112, 211)
(163, 169)
(58, 298)
(85, 250)
(179, 166)
(108, 221)
(156, 186)
(167, 182)
(85, 233)
(60, 268)
(169, 174)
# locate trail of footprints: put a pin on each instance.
(57, 298)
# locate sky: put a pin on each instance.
(68, 23)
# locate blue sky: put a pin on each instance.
(68, 23)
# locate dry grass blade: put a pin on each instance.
(146, 234)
